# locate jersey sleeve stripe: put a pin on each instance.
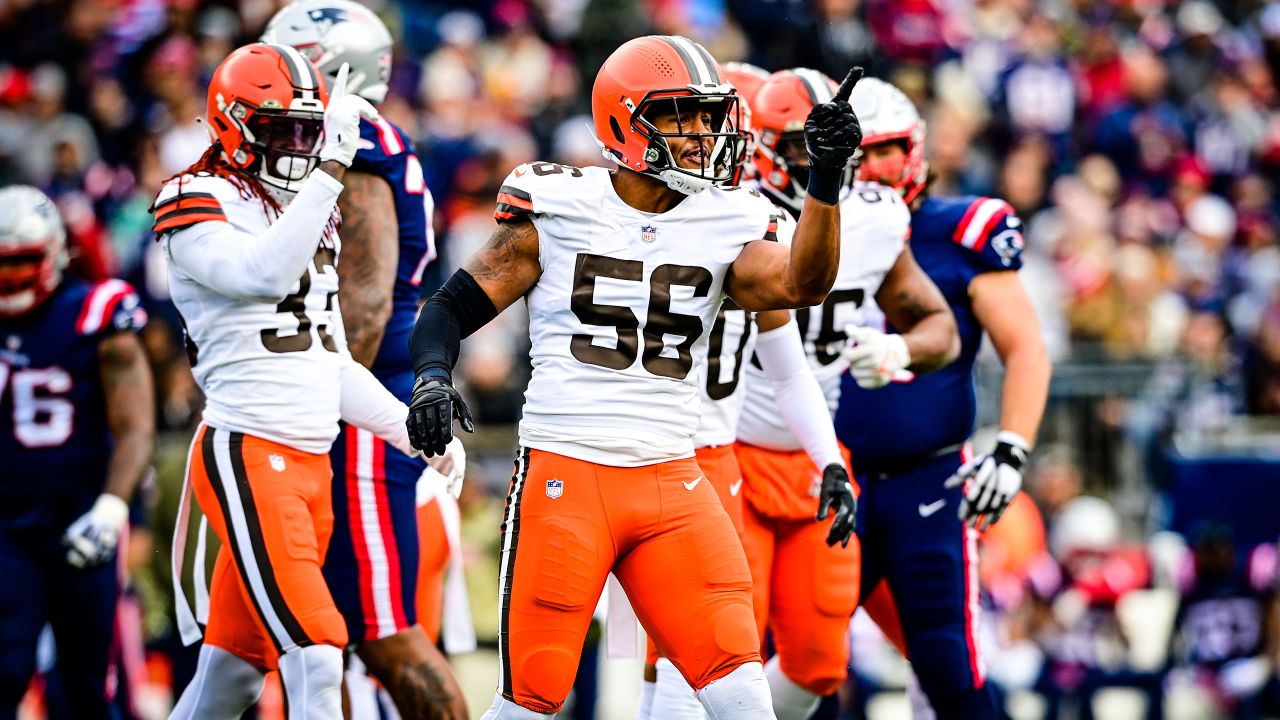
(771, 231)
(98, 305)
(978, 221)
(388, 138)
(513, 203)
(183, 218)
(185, 198)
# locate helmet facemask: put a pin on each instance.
(33, 251)
(721, 148)
(788, 178)
(281, 147)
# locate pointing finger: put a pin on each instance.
(846, 87)
(340, 84)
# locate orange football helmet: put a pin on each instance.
(266, 111)
(655, 73)
(779, 110)
(746, 79)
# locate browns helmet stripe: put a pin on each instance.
(815, 85)
(693, 63)
(302, 74)
(710, 61)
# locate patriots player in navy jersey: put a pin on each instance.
(77, 430)
(372, 562)
(924, 500)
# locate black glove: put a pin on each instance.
(837, 492)
(832, 132)
(432, 409)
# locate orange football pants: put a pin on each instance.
(720, 464)
(659, 528)
(433, 562)
(269, 504)
(803, 590)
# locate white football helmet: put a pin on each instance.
(1085, 524)
(33, 249)
(887, 115)
(332, 32)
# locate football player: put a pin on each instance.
(624, 273)
(921, 500)
(780, 354)
(250, 232)
(77, 429)
(806, 590)
(372, 564)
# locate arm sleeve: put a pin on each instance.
(456, 310)
(800, 398)
(368, 405)
(265, 267)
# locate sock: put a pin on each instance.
(790, 701)
(673, 699)
(504, 709)
(644, 711)
(741, 695)
(224, 687)
(312, 678)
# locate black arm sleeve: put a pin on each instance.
(456, 310)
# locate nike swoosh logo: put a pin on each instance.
(519, 172)
(735, 487)
(694, 484)
(931, 508)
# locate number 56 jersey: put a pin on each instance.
(268, 367)
(619, 317)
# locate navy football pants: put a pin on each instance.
(913, 540)
(38, 586)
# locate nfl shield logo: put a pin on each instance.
(648, 233)
(277, 462)
(555, 488)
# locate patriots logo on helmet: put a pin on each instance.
(326, 18)
(1008, 244)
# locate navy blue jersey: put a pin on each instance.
(386, 151)
(54, 438)
(954, 240)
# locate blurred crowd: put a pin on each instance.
(1139, 141)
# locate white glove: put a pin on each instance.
(876, 358)
(342, 121)
(92, 539)
(991, 481)
(452, 465)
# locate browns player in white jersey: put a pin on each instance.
(805, 590)
(250, 232)
(623, 274)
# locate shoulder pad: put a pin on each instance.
(990, 228)
(186, 201)
(109, 306)
(530, 185)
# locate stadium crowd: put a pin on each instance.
(1138, 139)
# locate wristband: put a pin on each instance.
(823, 187)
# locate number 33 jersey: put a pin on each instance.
(620, 315)
(268, 366)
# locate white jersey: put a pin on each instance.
(268, 367)
(620, 316)
(730, 346)
(874, 224)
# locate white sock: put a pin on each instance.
(673, 698)
(312, 678)
(741, 695)
(224, 687)
(790, 701)
(645, 709)
(920, 707)
(504, 709)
